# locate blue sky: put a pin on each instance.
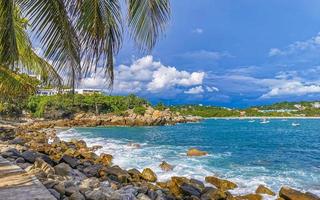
(230, 53)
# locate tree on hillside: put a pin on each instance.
(76, 36)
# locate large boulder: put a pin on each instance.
(149, 175)
(135, 174)
(249, 197)
(115, 173)
(196, 152)
(73, 162)
(89, 184)
(106, 159)
(190, 190)
(292, 194)
(264, 190)
(212, 194)
(221, 183)
(29, 156)
(62, 169)
(165, 166)
(92, 170)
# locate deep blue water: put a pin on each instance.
(250, 154)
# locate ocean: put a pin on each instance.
(247, 153)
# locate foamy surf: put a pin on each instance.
(149, 155)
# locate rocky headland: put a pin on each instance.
(72, 170)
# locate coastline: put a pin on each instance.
(261, 117)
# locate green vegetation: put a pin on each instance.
(66, 105)
(205, 111)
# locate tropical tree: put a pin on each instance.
(77, 36)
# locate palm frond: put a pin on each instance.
(147, 20)
(100, 31)
(8, 44)
(51, 24)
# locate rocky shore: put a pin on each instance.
(72, 170)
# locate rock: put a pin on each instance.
(54, 193)
(50, 183)
(116, 173)
(292, 194)
(73, 162)
(92, 170)
(165, 166)
(95, 195)
(46, 158)
(264, 190)
(189, 190)
(249, 197)
(198, 184)
(142, 196)
(20, 160)
(135, 174)
(10, 152)
(29, 156)
(62, 169)
(149, 175)
(196, 152)
(221, 183)
(17, 140)
(70, 190)
(213, 194)
(89, 184)
(106, 159)
(45, 167)
(60, 188)
(134, 145)
(152, 194)
(77, 196)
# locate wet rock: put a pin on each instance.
(62, 169)
(249, 197)
(149, 175)
(189, 190)
(92, 170)
(106, 159)
(135, 174)
(221, 183)
(116, 173)
(165, 166)
(196, 152)
(213, 194)
(198, 184)
(54, 193)
(292, 194)
(77, 196)
(29, 156)
(264, 190)
(95, 195)
(73, 162)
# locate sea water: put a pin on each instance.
(247, 153)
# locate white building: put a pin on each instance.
(316, 105)
(54, 91)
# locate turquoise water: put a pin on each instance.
(250, 154)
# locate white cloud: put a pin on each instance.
(298, 46)
(198, 30)
(212, 89)
(195, 90)
(146, 75)
(294, 88)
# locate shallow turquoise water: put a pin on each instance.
(250, 154)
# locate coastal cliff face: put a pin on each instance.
(151, 117)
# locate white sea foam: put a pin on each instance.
(247, 177)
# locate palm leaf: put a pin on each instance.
(147, 20)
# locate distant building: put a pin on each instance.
(54, 91)
(316, 105)
(242, 113)
(299, 107)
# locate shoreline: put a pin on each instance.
(80, 158)
(261, 118)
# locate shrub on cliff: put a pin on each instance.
(64, 105)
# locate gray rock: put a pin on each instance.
(77, 196)
(24, 165)
(190, 190)
(152, 194)
(54, 193)
(62, 169)
(89, 184)
(10, 152)
(50, 183)
(142, 196)
(73, 162)
(20, 160)
(60, 188)
(29, 156)
(17, 140)
(95, 195)
(71, 190)
(92, 170)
